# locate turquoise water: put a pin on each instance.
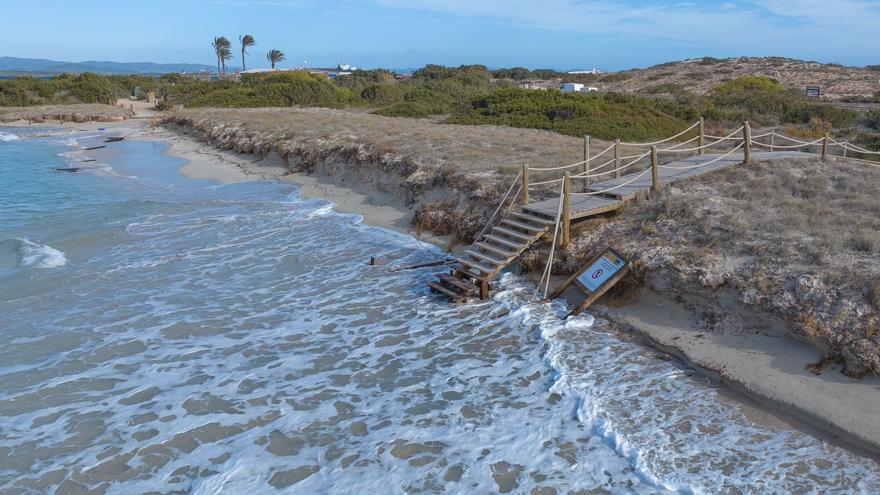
(171, 335)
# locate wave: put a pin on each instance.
(22, 253)
(8, 136)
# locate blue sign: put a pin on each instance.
(600, 271)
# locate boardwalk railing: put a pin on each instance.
(614, 160)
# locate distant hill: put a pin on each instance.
(43, 66)
(699, 76)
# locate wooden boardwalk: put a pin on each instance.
(586, 205)
(581, 205)
(688, 169)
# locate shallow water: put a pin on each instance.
(172, 335)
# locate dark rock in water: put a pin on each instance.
(113, 139)
(67, 169)
(89, 160)
(93, 148)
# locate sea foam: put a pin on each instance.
(33, 255)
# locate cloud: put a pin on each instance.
(840, 14)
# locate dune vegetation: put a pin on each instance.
(475, 95)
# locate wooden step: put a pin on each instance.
(533, 218)
(485, 257)
(463, 271)
(475, 264)
(507, 253)
(462, 285)
(455, 296)
(506, 242)
(530, 228)
(514, 234)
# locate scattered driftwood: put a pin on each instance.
(446, 261)
(113, 139)
(89, 160)
(93, 148)
(67, 169)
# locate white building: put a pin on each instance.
(572, 87)
(591, 71)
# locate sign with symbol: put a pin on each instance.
(599, 275)
(600, 271)
(814, 91)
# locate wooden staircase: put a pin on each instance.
(490, 254)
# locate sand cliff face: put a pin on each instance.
(443, 200)
(68, 113)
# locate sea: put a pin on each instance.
(162, 334)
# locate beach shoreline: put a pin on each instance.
(835, 404)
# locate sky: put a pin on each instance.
(558, 34)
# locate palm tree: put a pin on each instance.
(221, 45)
(225, 54)
(275, 56)
(246, 41)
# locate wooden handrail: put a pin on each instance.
(617, 158)
(566, 210)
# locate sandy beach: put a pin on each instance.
(754, 355)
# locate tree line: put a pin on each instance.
(223, 51)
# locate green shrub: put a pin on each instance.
(382, 94)
(516, 73)
(274, 89)
(359, 80)
(604, 116)
(63, 89)
(872, 119)
(766, 101)
(710, 61)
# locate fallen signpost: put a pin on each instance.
(596, 277)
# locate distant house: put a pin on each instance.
(593, 71)
(572, 87)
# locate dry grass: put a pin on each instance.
(70, 113)
(468, 148)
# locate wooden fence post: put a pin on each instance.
(586, 180)
(845, 143)
(747, 143)
(525, 175)
(655, 171)
(617, 158)
(825, 147)
(566, 220)
(772, 141)
(702, 140)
